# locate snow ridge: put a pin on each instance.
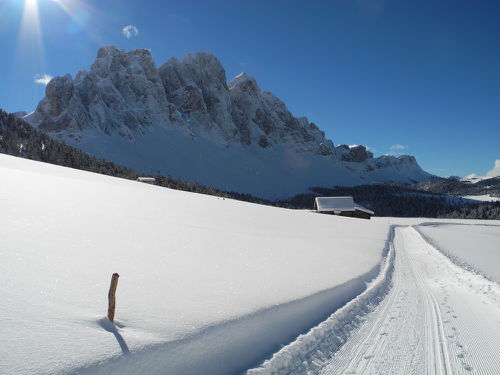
(477, 280)
(308, 353)
(457, 260)
(425, 315)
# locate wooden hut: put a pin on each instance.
(147, 180)
(342, 206)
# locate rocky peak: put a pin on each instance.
(401, 161)
(20, 114)
(59, 92)
(197, 88)
(127, 110)
(206, 69)
(122, 93)
(355, 153)
(111, 60)
(106, 51)
(125, 93)
(245, 83)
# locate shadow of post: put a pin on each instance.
(110, 327)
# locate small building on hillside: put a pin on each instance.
(147, 180)
(342, 206)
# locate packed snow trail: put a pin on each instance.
(437, 319)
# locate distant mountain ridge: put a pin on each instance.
(185, 120)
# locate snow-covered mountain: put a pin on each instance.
(185, 120)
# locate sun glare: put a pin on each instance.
(30, 38)
(30, 41)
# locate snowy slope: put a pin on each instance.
(274, 173)
(436, 318)
(187, 263)
(482, 198)
(477, 246)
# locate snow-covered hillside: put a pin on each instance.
(185, 120)
(192, 268)
(475, 246)
(482, 198)
(436, 318)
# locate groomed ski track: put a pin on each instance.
(437, 318)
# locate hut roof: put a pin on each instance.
(146, 179)
(339, 204)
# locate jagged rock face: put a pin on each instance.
(263, 118)
(124, 94)
(197, 87)
(400, 161)
(184, 119)
(20, 114)
(356, 154)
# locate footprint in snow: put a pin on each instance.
(467, 367)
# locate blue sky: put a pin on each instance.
(417, 77)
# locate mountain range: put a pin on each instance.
(185, 120)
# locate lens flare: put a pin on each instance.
(80, 14)
(30, 35)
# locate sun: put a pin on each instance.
(30, 16)
(31, 5)
(75, 18)
(29, 41)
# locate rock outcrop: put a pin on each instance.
(124, 100)
(124, 93)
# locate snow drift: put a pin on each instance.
(189, 265)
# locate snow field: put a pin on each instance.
(475, 247)
(190, 266)
(482, 198)
(273, 173)
(310, 351)
(437, 318)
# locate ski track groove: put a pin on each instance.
(436, 318)
(448, 347)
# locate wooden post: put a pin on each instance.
(111, 297)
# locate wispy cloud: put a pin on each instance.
(398, 147)
(43, 79)
(129, 31)
(495, 171)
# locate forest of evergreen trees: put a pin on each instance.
(399, 200)
(18, 138)
(489, 186)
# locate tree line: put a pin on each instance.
(400, 200)
(18, 138)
